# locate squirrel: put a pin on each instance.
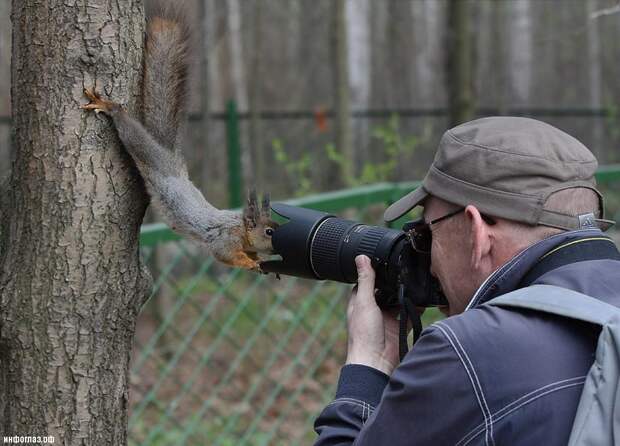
(239, 239)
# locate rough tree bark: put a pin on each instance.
(71, 282)
(6, 149)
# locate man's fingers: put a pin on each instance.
(365, 276)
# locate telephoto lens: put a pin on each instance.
(318, 245)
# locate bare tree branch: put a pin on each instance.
(605, 12)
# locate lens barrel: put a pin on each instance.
(318, 245)
(337, 242)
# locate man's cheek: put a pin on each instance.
(434, 264)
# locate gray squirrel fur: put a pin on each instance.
(234, 238)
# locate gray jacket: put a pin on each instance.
(490, 375)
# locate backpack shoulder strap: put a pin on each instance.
(561, 301)
(597, 421)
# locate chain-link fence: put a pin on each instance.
(228, 357)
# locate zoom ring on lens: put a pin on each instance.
(324, 248)
(371, 238)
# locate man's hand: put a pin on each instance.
(373, 334)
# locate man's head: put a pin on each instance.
(517, 181)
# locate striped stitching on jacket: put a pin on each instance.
(469, 369)
(522, 401)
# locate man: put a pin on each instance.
(510, 202)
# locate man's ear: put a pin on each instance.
(480, 240)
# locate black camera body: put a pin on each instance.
(321, 246)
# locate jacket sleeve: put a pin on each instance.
(427, 400)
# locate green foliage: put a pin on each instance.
(299, 170)
(336, 157)
(431, 315)
(394, 145)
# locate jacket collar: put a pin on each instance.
(508, 276)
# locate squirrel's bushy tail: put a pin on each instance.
(166, 70)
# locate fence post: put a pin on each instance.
(234, 156)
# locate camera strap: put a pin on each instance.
(408, 313)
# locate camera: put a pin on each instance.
(321, 246)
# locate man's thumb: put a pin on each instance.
(365, 275)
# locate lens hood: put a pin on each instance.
(292, 241)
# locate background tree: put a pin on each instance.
(459, 53)
(71, 283)
(255, 81)
(201, 157)
(342, 104)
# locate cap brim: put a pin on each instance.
(405, 204)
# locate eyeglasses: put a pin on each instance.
(445, 217)
(420, 235)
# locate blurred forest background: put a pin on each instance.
(335, 93)
(330, 94)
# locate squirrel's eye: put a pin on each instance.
(269, 232)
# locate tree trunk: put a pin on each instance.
(6, 148)
(341, 89)
(594, 83)
(237, 66)
(238, 76)
(201, 173)
(256, 85)
(360, 75)
(426, 29)
(497, 47)
(520, 34)
(71, 282)
(459, 52)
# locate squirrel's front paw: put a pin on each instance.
(97, 103)
(250, 264)
(240, 259)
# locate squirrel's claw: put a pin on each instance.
(92, 94)
(97, 104)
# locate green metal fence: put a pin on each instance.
(228, 357)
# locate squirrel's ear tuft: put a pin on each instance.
(265, 210)
(251, 211)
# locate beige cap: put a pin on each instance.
(507, 167)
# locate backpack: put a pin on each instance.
(597, 421)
